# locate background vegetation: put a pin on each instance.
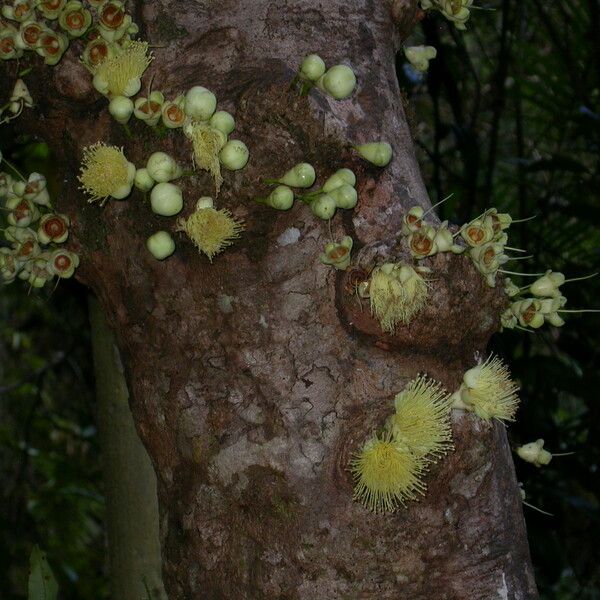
(508, 116)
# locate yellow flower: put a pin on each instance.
(120, 75)
(422, 418)
(397, 294)
(489, 392)
(207, 142)
(210, 229)
(386, 474)
(105, 172)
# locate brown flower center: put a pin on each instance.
(112, 16)
(50, 44)
(475, 234)
(338, 253)
(21, 9)
(75, 20)
(174, 114)
(529, 314)
(98, 53)
(149, 107)
(62, 262)
(21, 211)
(51, 4)
(7, 45)
(55, 227)
(421, 244)
(31, 33)
(489, 255)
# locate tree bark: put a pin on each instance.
(254, 378)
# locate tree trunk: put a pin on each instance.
(254, 378)
(129, 480)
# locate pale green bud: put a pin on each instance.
(160, 245)
(345, 196)
(339, 81)
(339, 178)
(200, 103)
(166, 199)
(162, 167)
(222, 121)
(143, 181)
(281, 198)
(301, 175)
(377, 153)
(312, 67)
(121, 108)
(323, 207)
(234, 155)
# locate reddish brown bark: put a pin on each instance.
(253, 378)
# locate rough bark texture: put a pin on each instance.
(253, 379)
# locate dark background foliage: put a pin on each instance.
(508, 116)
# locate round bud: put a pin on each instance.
(323, 207)
(234, 155)
(200, 103)
(377, 153)
(338, 179)
(222, 121)
(166, 199)
(312, 67)
(162, 167)
(160, 245)
(301, 175)
(281, 198)
(121, 108)
(143, 181)
(339, 81)
(345, 196)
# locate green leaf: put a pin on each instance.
(42, 585)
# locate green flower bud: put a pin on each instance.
(339, 178)
(345, 196)
(74, 18)
(548, 285)
(301, 175)
(281, 198)
(160, 245)
(377, 153)
(222, 121)
(323, 207)
(419, 56)
(339, 81)
(200, 103)
(143, 181)
(234, 155)
(121, 108)
(312, 67)
(162, 167)
(166, 199)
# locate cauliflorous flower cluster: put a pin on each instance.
(19, 99)
(338, 81)
(388, 469)
(457, 11)
(544, 304)
(34, 233)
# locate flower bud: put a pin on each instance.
(8, 46)
(166, 199)
(345, 196)
(419, 56)
(143, 181)
(96, 52)
(301, 175)
(534, 453)
(234, 155)
(323, 207)
(114, 22)
(222, 121)
(312, 67)
(200, 103)
(21, 10)
(339, 178)
(281, 198)
(162, 167)
(52, 46)
(28, 35)
(36, 190)
(9, 266)
(339, 81)
(377, 153)
(160, 245)
(121, 108)
(337, 254)
(548, 285)
(554, 319)
(22, 212)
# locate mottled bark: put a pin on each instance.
(254, 378)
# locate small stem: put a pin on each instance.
(11, 166)
(520, 257)
(524, 329)
(538, 509)
(523, 220)
(127, 130)
(270, 181)
(579, 310)
(522, 274)
(564, 454)
(580, 278)
(514, 249)
(436, 204)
